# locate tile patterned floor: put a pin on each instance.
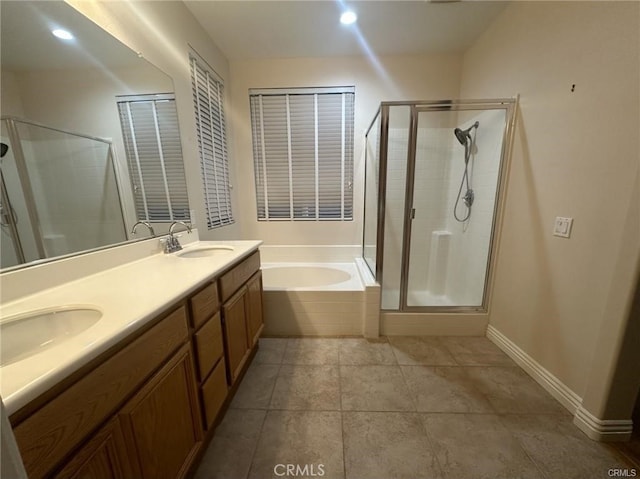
(414, 408)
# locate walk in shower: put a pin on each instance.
(58, 193)
(433, 180)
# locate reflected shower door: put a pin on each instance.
(73, 186)
(456, 172)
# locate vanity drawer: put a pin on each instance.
(204, 304)
(45, 437)
(232, 280)
(209, 346)
(214, 392)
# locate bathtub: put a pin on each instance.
(319, 299)
(311, 277)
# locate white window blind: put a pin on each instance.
(212, 143)
(154, 156)
(303, 153)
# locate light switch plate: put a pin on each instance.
(562, 227)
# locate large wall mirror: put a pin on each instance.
(90, 138)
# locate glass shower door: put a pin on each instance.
(59, 193)
(451, 205)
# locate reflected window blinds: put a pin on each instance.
(154, 157)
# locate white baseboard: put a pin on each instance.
(548, 381)
(607, 430)
(597, 429)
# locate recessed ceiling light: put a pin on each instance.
(348, 17)
(62, 34)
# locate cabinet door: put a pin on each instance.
(254, 308)
(235, 331)
(161, 422)
(104, 456)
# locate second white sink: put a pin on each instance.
(26, 334)
(205, 251)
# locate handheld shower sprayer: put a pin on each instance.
(466, 140)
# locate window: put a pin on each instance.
(212, 143)
(303, 153)
(154, 156)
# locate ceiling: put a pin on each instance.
(271, 29)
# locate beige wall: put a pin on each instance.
(398, 78)
(576, 154)
(162, 32)
(11, 100)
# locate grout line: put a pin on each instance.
(264, 419)
(344, 447)
(255, 447)
(412, 396)
(526, 453)
(431, 443)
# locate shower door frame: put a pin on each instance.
(27, 189)
(510, 107)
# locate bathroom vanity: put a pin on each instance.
(143, 402)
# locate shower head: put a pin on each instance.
(3, 149)
(464, 135)
(461, 135)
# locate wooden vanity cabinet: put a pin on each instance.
(161, 422)
(147, 408)
(235, 328)
(209, 347)
(242, 319)
(253, 300)
(104, 456)
(64, 421)
(156, 433)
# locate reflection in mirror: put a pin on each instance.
(91, 135)
(60, 193)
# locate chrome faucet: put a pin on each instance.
(172, 244)
(147, 224)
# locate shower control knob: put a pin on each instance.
(468, 198)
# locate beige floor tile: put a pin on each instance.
(231, 450)
(299, 438)
(374, 388)
(424, 350)
(477, 446)
(469, 345)
(271, 351)
(475, 351)
(560, 449)
(307, 388)
(360, 351)
(315, 351)
(444, 389)
(387, 445)
(512, 391)
(256, 387)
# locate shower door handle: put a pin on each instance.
(413, 213)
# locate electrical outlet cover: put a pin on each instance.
(562, 227)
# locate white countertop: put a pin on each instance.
(128, 296)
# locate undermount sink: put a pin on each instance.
(27, 334)
(205, 251)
